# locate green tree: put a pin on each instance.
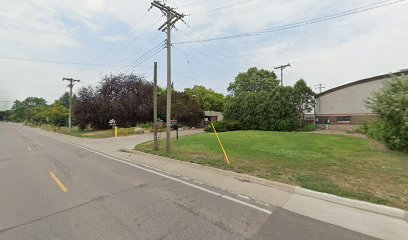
(23, 110)
(39, 114)
(274, 110)
(208, 99)
(64, 99)
(390, 104)
(304, 96)
(253, 80)
(57, 114)
(184, 108)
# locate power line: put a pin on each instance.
(152, 52)
(221, 8)
(193, 4)
(122, 36)
(189, 64)
(55, 61)
(299, 24)
(238, 59)
(135, 38)
(146, 45)
(145, 59)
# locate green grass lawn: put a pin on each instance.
(343, 165)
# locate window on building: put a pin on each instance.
(322, 120)
(343, 119)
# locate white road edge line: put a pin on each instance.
(118, 159)
(243, 196)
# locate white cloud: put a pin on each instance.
(334, 52)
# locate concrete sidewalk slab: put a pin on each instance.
(366, 222)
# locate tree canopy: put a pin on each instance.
(208, 99)
(23, 110)
(64, 99)
(185, 109)
(390, 104)
(304, 97)
(126, 98)
(275, 110)
(260, 103)
(253, 80)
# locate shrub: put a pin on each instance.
(308, 128)
(224, 126)
(144, 125)
(276, 110)
(390, 104)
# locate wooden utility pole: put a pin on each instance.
(172, 18)
(155, 146)
(281, 67)
(70, 85)
(320, 87)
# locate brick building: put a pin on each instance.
(344, 106)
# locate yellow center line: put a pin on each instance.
(59, 183)
(29, 149)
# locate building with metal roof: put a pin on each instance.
(345, 106)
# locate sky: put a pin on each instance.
(87, 39)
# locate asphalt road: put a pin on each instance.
(54, 190)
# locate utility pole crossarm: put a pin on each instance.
(281, 67)
(71, 85)
(172, 17)
(320, 87)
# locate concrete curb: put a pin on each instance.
(366, 206)
(239, 176)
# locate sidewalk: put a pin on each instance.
(367, 218)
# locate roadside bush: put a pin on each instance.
(390, 104)
(224, 126)
(184, 108)
(276, 110)
(145, 125)
(308, 128)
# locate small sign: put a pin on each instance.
(112, 122)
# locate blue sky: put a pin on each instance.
(94, 31)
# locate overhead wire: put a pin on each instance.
(298, 24)
(145, 56)
(223, 7)
(238, 59)
(112, 45)
(189, 64)
(136, 37)
(193, 3)
(54, 61)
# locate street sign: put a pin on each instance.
(112, 122)
(174, 126)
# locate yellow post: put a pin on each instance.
(225, 154)
(116, 132)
